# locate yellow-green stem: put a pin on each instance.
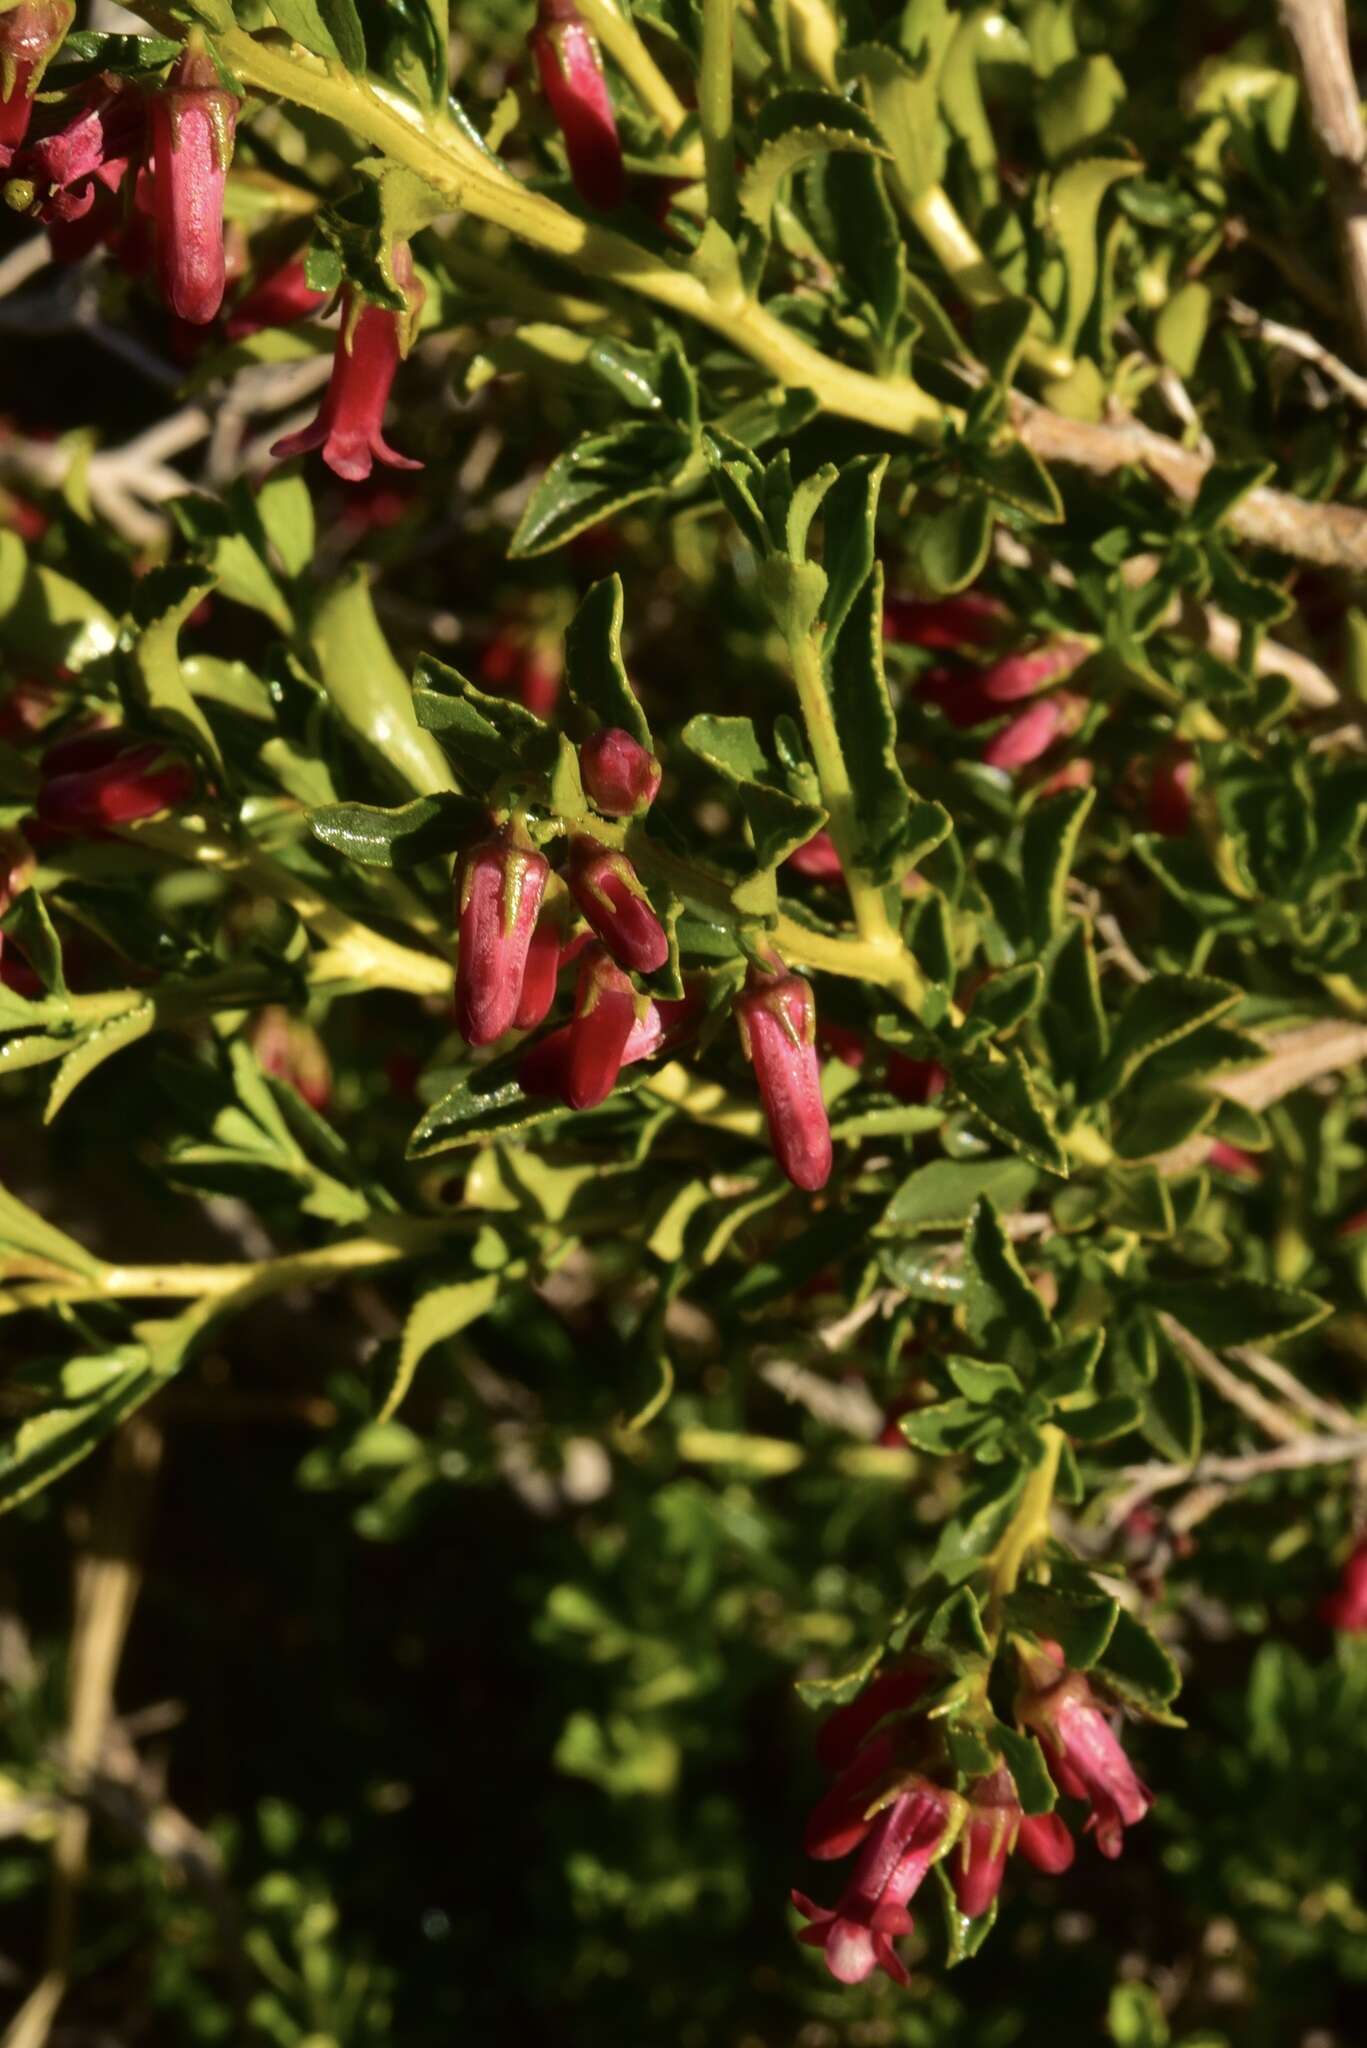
(715, 110)
(936, 218)
(1028, 1527)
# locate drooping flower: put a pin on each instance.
(777, 1019)
(500, 891)
(98, 779)
(605, 886)
(858, 1932)
(193, 122)
(621, 777)
(1082, 1750)
(1044, 1840)
(843, 1816)
(889, 1692)
(571, 1062)
(279, 299)
(74, 175)
(29, 38)
(1345, 1609)
(371, 343)
(978, 1860)
(605, 1014)
(572, 79)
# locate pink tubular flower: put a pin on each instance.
(972, 619)
(988, 1836)
(76, 172)
(29, 37)
(546, 1067)
(1082, 1750)
(1345, 1609)
(572, 80)
(604, 1015)
(620, 777)
(279, 299)
(777, 1018)
(858, 1933)
(540, 974)
(98, 779)
(1024, 738)
(817, 860)
(370, 345)
(843, 1816)
(501, 886)
(1233, 1160)
(193, 123)
(1044, 1840)
(604, 885)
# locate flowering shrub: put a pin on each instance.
(682, 1009)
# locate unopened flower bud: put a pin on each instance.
(620, 777)
(279, 299)
(1044, 1840)
(541, 973)
(1024, 738)
(977, 1862)
(98, 780)
(971, 619)
(501, 886)
(777, 1018)
(605, 887)
(572, 79)
(604, 1016)
(817, 859)
(29, 37)
(371, 343)
(193, 124)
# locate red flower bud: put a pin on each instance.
(620, 777)
(1233, 1160)
(280, 298)
(370, 346)
(777, 1018)
(842, 1818)
(1024, 738)
(817, 860)
(1174, 777)
(890, 1692)
(969, 620)
(1345, 1609)
(838, 1042)
(978, 1860)
(501, 886)
(289, 1048)
(1029, 670)
(29, 37)
(1044, 1840)
(193, 122)
(604, 1017)
(914, 1080)
(540, 974)
(572, 80)
(111, 782)
(604, 885)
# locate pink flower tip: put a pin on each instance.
(499, 899)
(572, 79)
(349, 428)
(621, 777)
(605, 886)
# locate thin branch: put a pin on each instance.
(1275, 1374)
(1297, 343)
(1305, 1453)
(1318, 33)
(1272, 1420)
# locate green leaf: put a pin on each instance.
(949, 547)
(792, 128)
(1082, 1624)
(595, 673)
(945, 1428)
(599, 476)
(1156, 1014)
(441, 1312)
(285, 510)
(979, 1522)
(945, 1192)
(1002, 1093)
(1076, 104)
(1025, 1760)
(26, 1235)
(902, 98)
(999, 332)
(45, 1445)
(94, 1049)
(425, 829)
(981, 1382)
(45, 617)
(369, 691)
(1048, 845)
(1172, 1416)
(1074, 1019)
(1114, 1415)
(1239, 1311)
(1074, 206)
(867, 730)
(1221, 488)
(848, 553)
(1135, 1666)
(28, 924)
(825, 1693)
(165, 599)
(778, 823)
(999, 1302)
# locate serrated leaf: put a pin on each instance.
(1172, 1415)
(949, 547)
(424, 829)
(824, 1693)
(945, 1192)
(981, 1382)
(1025, 1760)
(999, 1302)
(165, 600)
(1222, 1312)
(1082, 1624)
(1049, 840)
(1003, 1094)
(867, 729)
(94, 1049)
(792, 128)
(437, 1314)
(599, 476)
(980, 1520)
(1156, 1014)
(1135, 1666)
(1113, 1415)
(595, 673)
(778, 823)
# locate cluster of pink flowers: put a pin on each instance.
(889, 1802)
(1017, 687)
(519, 925)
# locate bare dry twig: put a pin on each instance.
(1318, 33)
